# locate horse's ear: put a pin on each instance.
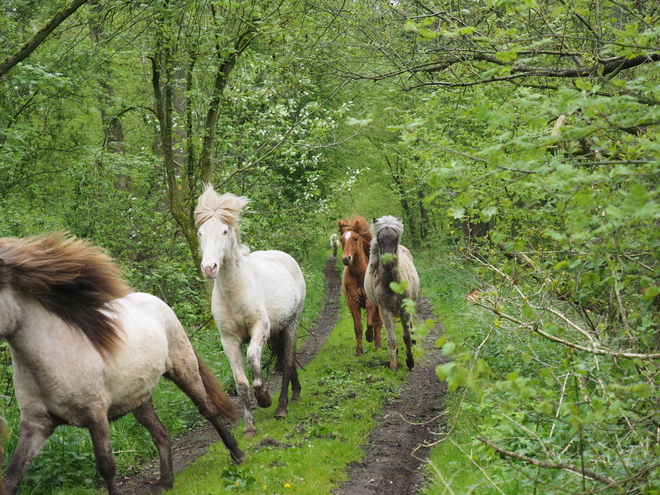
(342, 224)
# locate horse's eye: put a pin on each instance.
(225, 232)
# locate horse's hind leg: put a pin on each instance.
(197, 381)
(31, 440)
(146, 416)
(295, 384)
(289, 372)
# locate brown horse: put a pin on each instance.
(355, 241)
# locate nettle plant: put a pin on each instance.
(568, 365)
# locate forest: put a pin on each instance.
(516, 139)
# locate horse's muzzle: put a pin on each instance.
(210, 271)
(347, 261)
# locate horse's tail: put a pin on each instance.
(220, 399)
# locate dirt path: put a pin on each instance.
(395, 454)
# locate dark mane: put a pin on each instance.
(70, 277)
(360, 226)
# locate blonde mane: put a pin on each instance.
(226, 208)
(70, 277)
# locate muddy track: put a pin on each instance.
(398, 447)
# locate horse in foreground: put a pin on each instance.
(391, 262)
(257, 298)
(86, 351)
(355, 241)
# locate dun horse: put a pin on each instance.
(257, 298)
(355, 241)
(391, 262)
(86, 351)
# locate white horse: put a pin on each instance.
(86, 351)
(334, 244)
(257, 298)
(384, 270)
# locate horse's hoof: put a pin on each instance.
(410, 362)
(238, 457)
(295, 396)
(281, 413)
(358, 352)
(393, 367)
(249, 432)
(161, 486)
(263, 398)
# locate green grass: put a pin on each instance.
(445, 284)
(307, 453)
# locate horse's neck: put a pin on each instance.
(39, 334)
(359, 265)
(232, 272)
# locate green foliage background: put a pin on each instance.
(536, 122)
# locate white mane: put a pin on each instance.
(227, 208)
(387, 221)
(376, 227)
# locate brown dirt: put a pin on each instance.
(398, 447)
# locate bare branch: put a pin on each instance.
(550, 465)
(40, 36)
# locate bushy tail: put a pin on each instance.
(225, 405)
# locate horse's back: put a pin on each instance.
(408, 271)
(134, 371)
(281, 282)
(272, 262)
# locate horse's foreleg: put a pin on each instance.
(31, 440)
(260, 333)
(146, 416)
(99, 430)
(388, 321)
(406, 323)
(235, 356)
(356, 313)
(374, 324)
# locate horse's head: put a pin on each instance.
(355, 239)
(214, 240)
(216, 218)
(350, 247)
(387, 231)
